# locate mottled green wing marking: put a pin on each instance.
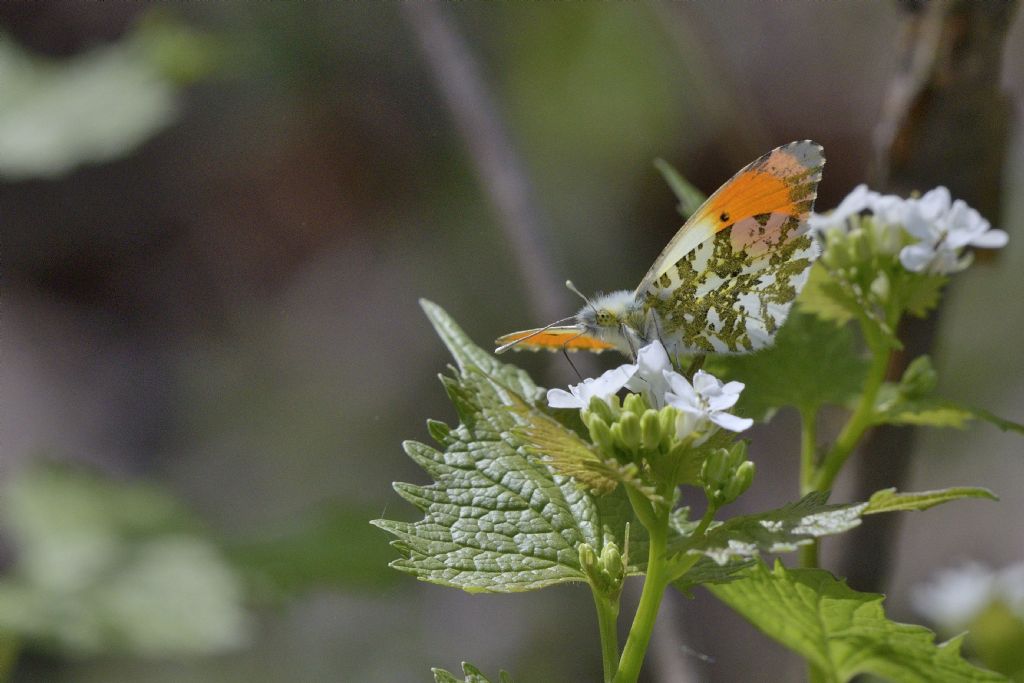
(730, 292)
(720, 300)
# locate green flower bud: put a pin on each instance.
(667, 426)
(627, 432)
(601, 434)
(740, 482)
(650, 429)
(608, 413)
(737, 454)
(880, 286)
(715, 471)
(634, 403)
(919, 379)
(588, 559)
(861, 248)
(611, 563)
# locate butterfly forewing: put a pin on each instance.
(727, 279)
(568, 338)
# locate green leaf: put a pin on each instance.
(708, 571)
(568, 454)
(473, 675)
(889, 500)
(811, 363)
(496, 518)
(842, 632)
(778, 531)
(690, 198)
(896, 408)
(467, 355)
(919, 293)
(111, 567)
(825, 298)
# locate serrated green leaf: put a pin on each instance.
(889, 500)
(842, 632)
(778, 531)
(823, 297)
(919, 293)
(467, 354)
(708, 571)
(895, 408)
(812, 363)
(690, 198)
(473, 675)
(568, 454)
(496, 518)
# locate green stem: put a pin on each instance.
(647, 611)
(808, 470)
(808, 449)
(860, 420)
(607, 621)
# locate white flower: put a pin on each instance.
(651, 362)
(705, 400)
(579, 395)
(943, 229)
(858, 200)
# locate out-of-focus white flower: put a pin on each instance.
(652, 362)
(956, 596)
(705, 400)
(943, 228)
(579, 395)
(859, 199)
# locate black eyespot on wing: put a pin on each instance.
(724, 217)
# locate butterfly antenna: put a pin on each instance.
(572, 288)
(505, 347)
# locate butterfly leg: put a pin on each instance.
(696, 364)
(565, 352)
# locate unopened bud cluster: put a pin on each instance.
(727, 473)
(605, 571)
(633, 432)
(919, 379)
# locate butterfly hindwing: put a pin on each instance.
(568, 338)
(727, 279)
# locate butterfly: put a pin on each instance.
(726, 281)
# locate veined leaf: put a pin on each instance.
(778, 531)
(496, 518)
(811, 363)
(826, 299)
(895, 408)
(473, 675)
(842, 632)
(890, 500)
(568, 454)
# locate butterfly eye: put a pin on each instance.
(724, 217)
(605, 319)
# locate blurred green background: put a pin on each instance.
(217, 219)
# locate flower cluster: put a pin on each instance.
(956, 597)
(701, 406)
(938, 227)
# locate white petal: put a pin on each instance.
(704, 383)
(991, 239)
(852, 204)
(934, 203)
(653, 358)
(560, 398)
(610, 382)
(722, 401)
(731, 422)
(733, 387)
(682, 391)
(916, 257)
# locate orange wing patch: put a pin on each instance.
(779, 182)
(552, 339)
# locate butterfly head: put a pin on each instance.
(610, 317)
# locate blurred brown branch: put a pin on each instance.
(491, 150)
(952, 55)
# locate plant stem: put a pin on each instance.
(607, 620)
(861, 419)
(647, 611)
(808, 448)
